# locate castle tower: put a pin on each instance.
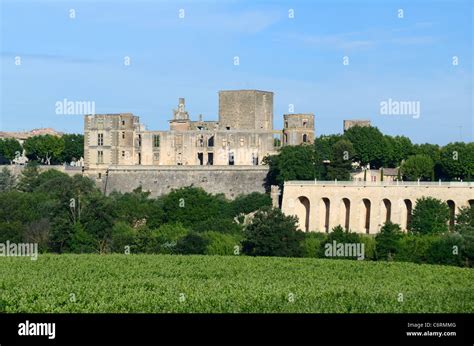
(246, 110)
(180, 120)
(298, 128)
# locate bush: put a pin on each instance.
(271, 233)
(415, 248)
(191, 205)
(11, 231)
(165, 239)
(369, 246)
(221, 244)
(340, 236)
(123, 235)
(387, 241)
(217, 225)
(193, 243)
(446, 249)
(311, 244)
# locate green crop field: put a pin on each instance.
(166, 283)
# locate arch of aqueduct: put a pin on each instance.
(364, 207)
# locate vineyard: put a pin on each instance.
(171, 283)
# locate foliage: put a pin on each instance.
(292, 163)
(45, 148)
(73, 148)
(7, 180)
(398, 148)
(457, 161)
(222, 225)
(369, 145)
(245, 204)
(10, 148)
(341, 164)
(28, 178)
(430, 215)
(312, 244)
(191, 205)
(387, 241)
(271, 233)
(418, 167)
(192, 243)
(222, 244)
(465, 227)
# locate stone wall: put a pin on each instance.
(364, 206)
(231, 181)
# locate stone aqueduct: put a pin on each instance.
(364, 207)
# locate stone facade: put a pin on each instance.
(243, 136)
(364, 206)
(298, 128)
(231, 181)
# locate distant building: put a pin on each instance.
(351, 123)
(22, 136)
(374, 175)
(242, 136)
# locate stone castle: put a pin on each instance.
(242, 136)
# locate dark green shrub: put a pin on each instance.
(272, 233)
(217, 225)
(222, 244)
(193, 243)
(415, 248)
(387, 241)
(311, 244)
(446, 249)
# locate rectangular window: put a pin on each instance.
(201, 158)
(210, 159)
(139, 140)
(100, 139)
(123, 134)
(100, 156)
(156, 141)
(123, 153)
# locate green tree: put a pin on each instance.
(341, 164)
(44, 148)
(430, 216)
(7, 180)
(271, 233)
(387, 241)
(457, 161)
(418, 167)
(10, 148)
(244, 204)
(28, 177)
(369, 145)
(191, 205)
(291, 163)
(73, 147)
(398, 148)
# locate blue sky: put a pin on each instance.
(300, 59)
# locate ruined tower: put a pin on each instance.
(298, 128)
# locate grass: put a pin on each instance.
(217, 284)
